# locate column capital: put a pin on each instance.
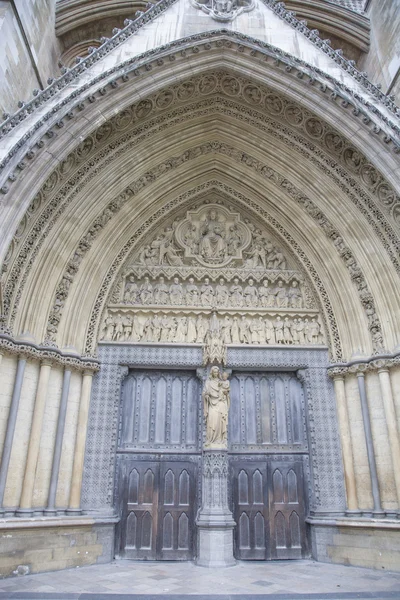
(88, 373)
(359, 369)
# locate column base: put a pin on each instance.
(24, 512)
(73, 511)
(215, 547)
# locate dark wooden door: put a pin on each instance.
(250, 493)
(158, 510)
(140, 514)
(287, 510)
(269, 509)
(176, 511)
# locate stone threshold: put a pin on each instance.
(59, 521)
(360, 522)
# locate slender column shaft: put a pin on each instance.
(347, 452)
(80, 443)
(12, 419)
(34, 441)
(369, 443)
(391, 421)
(51, 503)
(1, 356)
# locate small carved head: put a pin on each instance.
(221, 281)
(191, 280)
(294, 283)
(251, 282)
(225, 376)
(236, 281)
(280, 283)
(206, 281)
(176, 280)
(265, 282)
(214, 372)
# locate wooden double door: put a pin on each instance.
(158, 503)
(269, 509)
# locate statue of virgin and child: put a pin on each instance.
(216, 398)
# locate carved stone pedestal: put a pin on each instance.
(215, 522)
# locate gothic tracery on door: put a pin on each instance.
(159, 477)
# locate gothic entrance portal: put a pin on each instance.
(159, 458)
(210, 282)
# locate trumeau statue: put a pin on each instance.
(216, 399)
(224, 10)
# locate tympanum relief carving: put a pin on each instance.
(210, 270)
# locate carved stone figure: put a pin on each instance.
(255, 331)
(226, 330)
(235, 334)
(181, 330)
(287, 335)
(109, 328)
(161, 292)
(156, 328)
(307, 333)
(131, 290)
(191, 239)
(202, 327)
(148, 330)
(214, 350)
(278, 327)
(191, 334)
(216, 408)
(295, 299)
(176, 292)
(293, 331)
(244, 330)
(256, 256)
(192, 293)
(224, 10)
(263, 294)
(234, 240)
(269, 332)
(136, 333)
(300, 331)
(119, 328)
(165, 329)
(280, 294)
(173, 325)
(127, 327)
(250, 294)
(236, 293)
(314, 331)
(222, 293)
(146, 292)
(212, 237)
(207, 293)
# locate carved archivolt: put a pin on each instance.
(217, 82)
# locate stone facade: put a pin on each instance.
(262, 237)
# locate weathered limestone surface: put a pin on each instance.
(53, 548)
(382, 62)
(358, 546)
(29, 50)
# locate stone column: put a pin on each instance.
(347, 452)
(370, 444)
(80, 443)
(55, 469)
(12, 419)
(1, 355)
(215, 522)
(25, 508)
(391, 422)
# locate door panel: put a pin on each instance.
(287, 510)
(138, 534)
(250, 509)
(159, 508)
(176, 511)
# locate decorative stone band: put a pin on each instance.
(9, 345)
(131, 27)
(373, 363)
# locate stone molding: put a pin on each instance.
(367, 365)
(46, 354)
(119, 36)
